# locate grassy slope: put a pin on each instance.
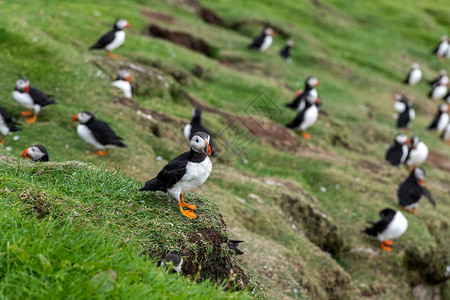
(359, 52)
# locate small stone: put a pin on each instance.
(16, 137)
(323, 189)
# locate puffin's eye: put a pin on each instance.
(196, 140)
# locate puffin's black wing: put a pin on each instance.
(377, 227)
(40, 98)
(104, 40)
(406, 81)
(298, 120)
(169, 175)
(427, 194)
(8, 120)
(434, 123)
(403, 119)
(434, 81)
(257, 42)
(394, 155)
(43, 150)
(296, 102)
(285, 52)
(104, 134)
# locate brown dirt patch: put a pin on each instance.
(439, 160)
(368, 165)
(36, 203)
(158, 16)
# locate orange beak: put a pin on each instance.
(75, 118)
(128, 25)
(272, 33)
(25, 153)
(317, 100)
(318, 83)
(27, 89)
(408, 141)
(208, 152)
(128, 78)
(421, 182)
(299, 92)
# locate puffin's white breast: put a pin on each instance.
(266, 43)
(310, 117)
(119, 38)
(395, 229)
(125, 86)
(415, 76)
(399, 106)
(23, 99)
(442, 49)
(446, 133)
(196, 174)
(404, 154)
(4, 129)
(86, 134)
(439, 92)
(419, 155)
(443, 121)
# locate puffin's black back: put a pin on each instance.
(435, 121)
(286, 52)
(409, 191)
(394, 154)
(403, 119)
(9, 120)
(104, 40)
(386, 215)
(257, 42)
(103, 133)
(300, 117)
(40, 98)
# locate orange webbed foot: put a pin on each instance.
(184, 204)
(101, 153)
(306, 135)
(113, 56)
(385, 246)
(188, 213)
(3, 141)
(27, 113)
(32, 119)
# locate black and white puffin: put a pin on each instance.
(263, 41)
(396, 154)
(31, 98)
(441, 119)
(442, 48)
(113, 38)
(445, 136)
(418, 153)
(233, 245)
(195, 126)
(7, 124)
(414, 75)
(406, 113)
(307, 116)
(286, 51)
(442, 78)
(96, 132)
(438, 91)
(174, 261)
(184, 173)
(123, 82)
(392, 225)
(310, 89)
(412, 189)
(36, 153)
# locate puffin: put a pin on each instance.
(263, 41)
(398, 152)
(7, 124)
(441, 119)
(36, 153)
(174, 261)
(123, 82)
(31, 98)
(184, 173)
(406, 113)
(310, 88)
(442, 78)
(445, 136)
(414, 75)
(442, 48)
(113, 38)
(233, 245)
(392, 225)
(418, 153)
(412, 189)
(195, 126)
(438, 91)
(307, 116)
(285, 53)
(97, 132)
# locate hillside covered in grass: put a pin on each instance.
(298, 205)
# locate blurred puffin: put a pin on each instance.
(406, 113)
(438, 91)
(96, 132)
(263, 41)
(442, 48)
(414, 75)
(310, 89)
(418, 153)
(123, 82)
(184, 173)
(113, 38)
(36, 153)
(441, 119)
(233, 245)
(307, 116)
(397, 153)
(446, 134)
(31, 98)
(286, 51)
(442, 78)
(174, 261)
(392, 225)
(195, 126)
(7, 124)
(412, 189)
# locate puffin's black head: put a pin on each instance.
(197, 113)
(402, 139)
(124, 75)
(174, 261)
(23, 85)
(36, 153)
(312, 82)
(387, 213)
(419, 174)
(414, 141)
(83, 117)
(200, 143)
(121, 24)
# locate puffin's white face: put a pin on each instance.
(444, 38)
(121, 24)
(22, 84)
(402, 139)
(415, 65)
(398, 96)
(269, 31)
(311, 99)
(442, 72)
(124, 75)
(83, 117)
(419, 174)
(290, 43)
(443, 108)
(415, 140)
(312, 82)
(200, 144)
(35, 153)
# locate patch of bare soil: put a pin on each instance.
(206, 14)
(368, 165)
(439, 160)
(158, 16)
(36, 202)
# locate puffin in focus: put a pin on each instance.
(310, 89)
(263, 41)
(418, 153)
(397, 153)
(184, 173)
(174, 261)
(441, 119)
(7, 124)
(442, 48)
(414, 75)
(438, 92)
(195, 126)
(392, 225)
(406, 113)
(36, 153)
(96, 132)
(442, 78)
(412, 189)
(113, 38)
(123, 82)
(31, 98)
(286, 51)
(307, 116)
